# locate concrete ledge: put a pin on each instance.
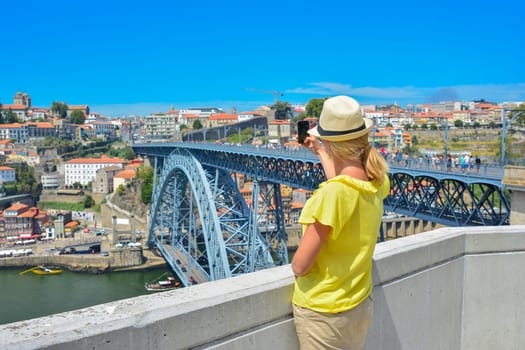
(452, 288)
(208, 313)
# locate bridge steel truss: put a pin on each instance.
(448, 199)
(205, 229)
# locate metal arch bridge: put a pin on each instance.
(206, 230)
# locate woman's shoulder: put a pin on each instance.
(348, 183)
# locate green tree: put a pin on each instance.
(25, 182)
(2, 120)
(120, 190)
(197, 124)
(458, 123)
(10, 116)
(88, 201)
(59, 109)
(475, 125)
(128, 153)
(424, 126)
(145, 174)
(433, 126)
(313, 107)
(407, 126)
(283, 110)
(77, 117)
(520, 112)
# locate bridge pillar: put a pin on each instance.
(114, 229)
(514, 180)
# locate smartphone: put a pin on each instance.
(302, 130)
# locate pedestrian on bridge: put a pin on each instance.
(332, 302)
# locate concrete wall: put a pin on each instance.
(458, 288)
(405, 226)
(118, 258)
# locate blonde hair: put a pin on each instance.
(360, 149)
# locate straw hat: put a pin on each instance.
(341, 120)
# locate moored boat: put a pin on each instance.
(162, 283)
(42, 270)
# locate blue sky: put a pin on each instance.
(138, 57)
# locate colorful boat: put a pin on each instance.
(42, 270)
(162, 283)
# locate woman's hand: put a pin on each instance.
(313, 239)
(317, 148)
(313, 145)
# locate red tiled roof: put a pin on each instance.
(223, 116)
(381, 134)
(17, 206)
(17, 106)
(73, 107)
(250, 113)
(102, 160)
(126, 174)
(42, 125)
(27, 214)
(10, 126)
(6, 168)
(279, 122)
(190, 116)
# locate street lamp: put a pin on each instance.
(373, 132)
(504, 125)
(445, 158)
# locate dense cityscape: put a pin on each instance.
(47, 141)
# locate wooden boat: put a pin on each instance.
(164, 282)
(42, 270)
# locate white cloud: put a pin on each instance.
(491, 92)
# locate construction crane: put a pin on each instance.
(276, 94)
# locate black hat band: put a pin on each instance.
(324, 132)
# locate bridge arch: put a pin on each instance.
(201, 224)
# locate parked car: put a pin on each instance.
(68, 250)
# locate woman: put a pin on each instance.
(341, 221)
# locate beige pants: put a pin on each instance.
(346, 330)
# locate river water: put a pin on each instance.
(29, 296)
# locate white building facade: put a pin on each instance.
(15, 131)
(84, 170)
(51, 181)
(7, 174)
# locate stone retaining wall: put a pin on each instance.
(93, 263)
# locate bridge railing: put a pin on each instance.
(490, 170)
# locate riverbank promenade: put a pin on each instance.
(451, 288)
